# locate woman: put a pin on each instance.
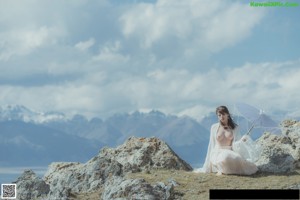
(228, 153)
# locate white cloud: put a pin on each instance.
(184, 92)
(85, 45)
(197, 112)
(103, 58)
(208, 25)
(24, 41)
(110, 53)
(270, 86)
(226, 27)
(174, 32)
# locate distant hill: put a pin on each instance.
(37, 138)
(184, 134)
(28, 144)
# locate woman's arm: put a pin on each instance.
(207, 164)
(246, 147)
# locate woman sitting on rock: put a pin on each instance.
(227, 152)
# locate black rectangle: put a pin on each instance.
(253, 194)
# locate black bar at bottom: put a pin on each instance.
(253, 194)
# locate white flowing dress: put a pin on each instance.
(235, 159)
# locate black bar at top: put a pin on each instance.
(290, 194)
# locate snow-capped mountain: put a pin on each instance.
(51, 136)
(21, 113)
(185, 135)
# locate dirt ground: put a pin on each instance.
(196, 186)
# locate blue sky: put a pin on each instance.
(100, 57)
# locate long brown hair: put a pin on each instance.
(224, 110)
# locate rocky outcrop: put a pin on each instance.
(30, 186)
(281, 153)
(121, 188)
(139, 154)
(66, 179)
(106, 172)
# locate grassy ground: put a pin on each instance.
(195, 186)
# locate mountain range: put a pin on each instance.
(30, 138)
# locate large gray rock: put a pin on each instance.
(280, 153)
(139, 154)
(66, 179)
(136, 154)
(30, 186)
(123, 189)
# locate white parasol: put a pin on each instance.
(257, 118)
